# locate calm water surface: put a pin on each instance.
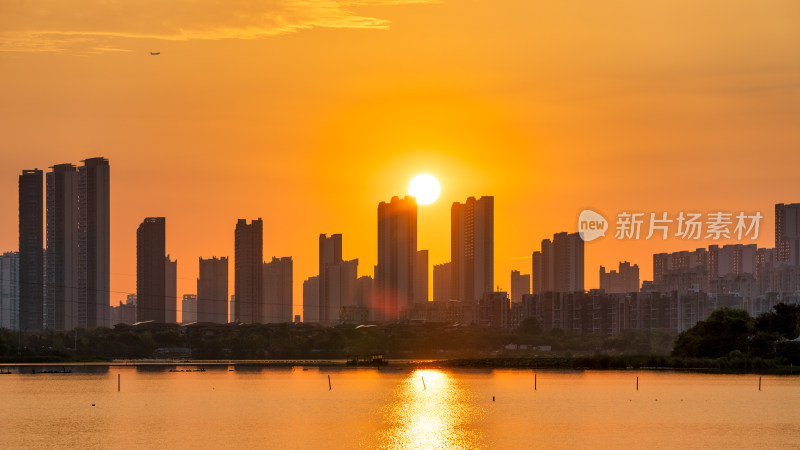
(367, 408)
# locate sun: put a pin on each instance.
(425, 188)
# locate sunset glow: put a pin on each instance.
(266, 109)
(405, 224)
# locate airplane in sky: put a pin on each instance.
(155, 53)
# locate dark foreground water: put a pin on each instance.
(367, 408)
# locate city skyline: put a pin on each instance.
(184, 284)
(698, 112)
(71, 188)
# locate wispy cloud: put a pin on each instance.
(88, 25)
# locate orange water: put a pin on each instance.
(293, 408)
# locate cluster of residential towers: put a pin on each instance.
(59, 277)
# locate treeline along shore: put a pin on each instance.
(729, 341)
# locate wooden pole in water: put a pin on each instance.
(759, 383)
(423, 383)
(329, 383)
(637, 383)
(117, 382)
(534, 381)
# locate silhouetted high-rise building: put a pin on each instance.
(151, 270)
(212, 291)
(569, 259)
(442, 282)
(421, 277)
(277, 290)
(170, 290)
(520, 285)
(9, 290)
(620, 282)
(248, 273)
(330, 254)
(311, 300)
(365, 288)
(189, 308)
(472, 248)
(341, 289)
(787, 233)
(337, 281)
(62, 256)
(397, 253)
(558, 267)
(31, 256)
(94, 211)
(542, 266)
(77, 268)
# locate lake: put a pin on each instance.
(395, 408)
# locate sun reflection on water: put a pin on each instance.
(430, 409)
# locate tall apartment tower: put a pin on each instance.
(542, 266)
(151, 270)
(62, 260)
(397, 252)
(568, 262)
(330, 255)
(212, 291)
(9, 290)
(520, 285)
(31, 254)
(421, 277)
(442, 282)
(311, 300)
(248, 273)
(94, 234)
(170, 290)
(341, 289)
(558, 266)
(472, 248)
(277, 290)
(787, 233)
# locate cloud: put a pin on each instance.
(87, 25)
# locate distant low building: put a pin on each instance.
(626, 279)
(495, 308)
(125, 312)
(520, 285)
(9, 290)
(443, 282)
(189, 308)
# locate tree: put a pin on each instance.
(783, 321)
(724, 331)
(530, 325)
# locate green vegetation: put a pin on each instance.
(288, 341)
(733, 334)
(729, 340)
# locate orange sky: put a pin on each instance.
(309, 113)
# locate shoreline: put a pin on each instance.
(580, 364)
